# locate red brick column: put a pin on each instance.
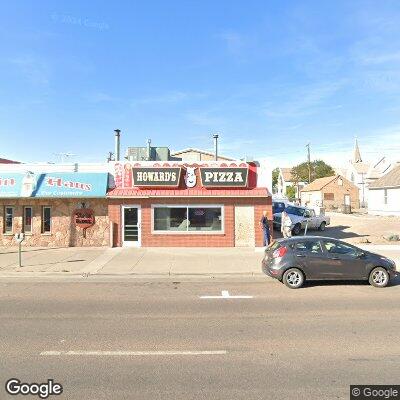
(114, 213)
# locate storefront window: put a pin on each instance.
(188, 219)
(46, 220)
(205, 219)
(8, 219)
(170, 219)
(27, 224)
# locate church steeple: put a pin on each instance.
(357, 155)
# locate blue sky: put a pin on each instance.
(268, 76)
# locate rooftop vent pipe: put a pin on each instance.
(117, 144)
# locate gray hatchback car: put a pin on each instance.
(294, 260)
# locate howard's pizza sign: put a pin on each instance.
(169, 176)
(224, 177)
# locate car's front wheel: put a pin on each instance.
(293, 278)
(379, 277)
(322, 226)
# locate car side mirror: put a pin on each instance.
(361, 254)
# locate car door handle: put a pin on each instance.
(334, 258)
(300, 255)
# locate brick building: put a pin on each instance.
(54, 205)
(177, 204)
(332, 193)
(148, 204)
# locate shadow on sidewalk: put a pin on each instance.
(29, 250)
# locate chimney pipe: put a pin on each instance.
(215, 136)
(148, 149)
(117, 144)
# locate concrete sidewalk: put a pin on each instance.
(144, 261)
(132, 261)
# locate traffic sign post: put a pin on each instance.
(19, 238)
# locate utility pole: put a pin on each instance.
(309, 162)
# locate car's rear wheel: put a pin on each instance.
(379, 277)
(322, 226)
(296, 230)
(293, 278)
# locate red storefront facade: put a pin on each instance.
(167, 204)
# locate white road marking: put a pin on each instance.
(133, 353)
(225, 295)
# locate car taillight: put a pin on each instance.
(279, 252)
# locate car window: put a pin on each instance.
(339, 248)
(278, 207)
(308, 246)
(295, 211)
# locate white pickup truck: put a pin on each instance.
(302, 217)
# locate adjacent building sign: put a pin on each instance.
(224, 177)
(83, 217)
(57, 184)
(156, 177)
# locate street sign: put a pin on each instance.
(19, 237)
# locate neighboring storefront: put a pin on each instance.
(178, 204)
(54, 206)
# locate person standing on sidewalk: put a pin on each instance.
(264, 224)
(286, 225)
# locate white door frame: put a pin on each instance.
(139, 224)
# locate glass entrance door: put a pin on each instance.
(131, 227)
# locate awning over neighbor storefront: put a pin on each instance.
(53, 185)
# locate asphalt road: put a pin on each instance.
(310, 343)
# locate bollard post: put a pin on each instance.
(19, 237)
(305, 229)
(19, 254)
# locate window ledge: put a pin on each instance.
(47, 234)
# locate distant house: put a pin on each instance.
(332, 193)
(192, 154)
(285, 180)
(363, 174)
(384, 194)
(5, 161)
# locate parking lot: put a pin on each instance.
(358, 228)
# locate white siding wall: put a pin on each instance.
(376, 203)
(311, 199)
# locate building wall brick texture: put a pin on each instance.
(64, 233)
(226, 239)
(108, 212)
